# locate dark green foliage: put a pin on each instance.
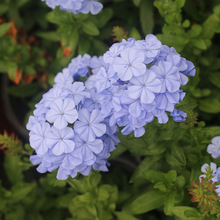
(149, 176)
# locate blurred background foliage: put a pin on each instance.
(149, 177)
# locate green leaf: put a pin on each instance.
(95, 178)
(3, 67)
(169, 202)
(195, 31)
(4, 28)
(24, 90)
(60, 17)
(180, 181)
(215, 79)
(11, 69)
(199, 43)
(135, 34)
(212, 131)
(103, 194)
(51, 35)
(12, 169)
(90, 28)
(120, 149)
(176, 157)
(84, 46)
(171, 176)
(3, 8)
(29, 69)
(153, 176)
(146, 16)
(20, 191)
(87, 197)
(103, 17)
(186, 24)
(209, 26)
(124, 215)
(180, 210)
(210, 105)
(161, 186)
(146, 164)
(199, 93)
(180, 3)
(192, 213)
(146, 202)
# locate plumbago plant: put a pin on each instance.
(124, 113)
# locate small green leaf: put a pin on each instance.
(215, 79)
(3, 67)
(137, 3)
(135, 34)
(3, 8)
(4, 28)
(103, 194)
(87, 197)
(161, 186)
(186, 24)
(171, 176)
(169, 202)
(146, 202)
(180, 210)
(146, 16)
(199, 43)
(84, 46)
(176, 157)
(180, 3)
(90, 28)
(180, 181)
(146, 164)
(210, 105)
(195, 31)
(20, 191)
(153, 176)
(52, 35)
(124, 215)
(11, 69)
(14, 172)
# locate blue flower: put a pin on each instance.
(178, 115)
(62, 112)
(169, 76)
(76, 6)
(91, 6)
(77, 92)
(144, 87)
(151, 47)
(61, 140)
(214, 147)
(88, 124)
(129, 64)
(39, 137)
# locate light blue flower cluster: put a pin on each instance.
(68, 130)
(75, 125)
(214, 147)
(215, 173)
(76, 6)
(138, 80)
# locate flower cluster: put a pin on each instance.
(68, 130)
(75, 125)
(76, 6)
(138, 80)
